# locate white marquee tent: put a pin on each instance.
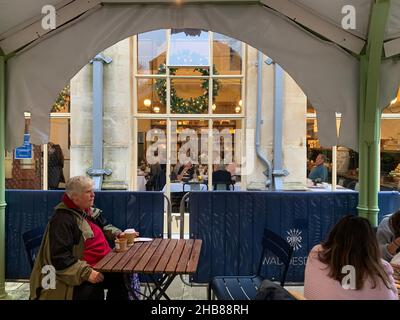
(352, 71)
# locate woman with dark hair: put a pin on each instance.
(388, 235)
(348, 265)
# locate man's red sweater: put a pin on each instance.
(96, 248)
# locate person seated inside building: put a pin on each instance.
(319, 173)
(348, 265)
(221, 177)
(185, 173)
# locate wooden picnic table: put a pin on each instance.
(168, 257)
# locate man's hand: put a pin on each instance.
(95, 277)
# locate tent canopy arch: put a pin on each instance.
(326, 73)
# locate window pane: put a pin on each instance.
(189, 96)
(189, 47)
(227, 54)
(189, 143)
(227, 96)
(227, 153)
(152, 47)
(152, 153)
(151, 95)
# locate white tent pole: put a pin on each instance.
(334, 167)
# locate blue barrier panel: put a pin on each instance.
(28, 209)
(231, 225)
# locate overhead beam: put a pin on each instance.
(306, 18)
(23, 37)
(392, 47)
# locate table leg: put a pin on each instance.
(161, 286)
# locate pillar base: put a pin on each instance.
(363, 211)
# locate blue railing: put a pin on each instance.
(27, 209)
(231, 225)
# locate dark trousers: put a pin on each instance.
(114, 282)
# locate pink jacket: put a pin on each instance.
(319, 286)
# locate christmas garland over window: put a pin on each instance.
(181, 105)
(62, 101)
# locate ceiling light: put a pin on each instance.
(147, 102)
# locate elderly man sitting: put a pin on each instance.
(73, 243)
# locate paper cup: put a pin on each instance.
(120, 244)
(130, 235)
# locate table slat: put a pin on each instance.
(194, 257)
(113, 261)
(175, 256)
(156, 256)
(183, 260)
(141, 265)
(162, 264)
(119, 267)
(99, 265)
(136, 257)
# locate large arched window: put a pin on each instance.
(188, 81)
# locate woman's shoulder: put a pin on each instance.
(316, 249)
(387, 267)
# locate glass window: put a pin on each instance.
(189, 96)
(151, 95)
(189, 47)
(152, 48)
(227, 54)
(227, 96)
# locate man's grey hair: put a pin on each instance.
(76, 184)
(322, 156)
(221, 166)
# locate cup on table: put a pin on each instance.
(120, 244)
(130, 235)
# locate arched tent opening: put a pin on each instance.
(305, 57)
(353, 71)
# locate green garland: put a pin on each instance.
(62, 100)
(181, 105)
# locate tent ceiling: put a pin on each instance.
(273, 33)
(17, 14)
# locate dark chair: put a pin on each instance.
(32, 240)
(245, 287)
(223, 186)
